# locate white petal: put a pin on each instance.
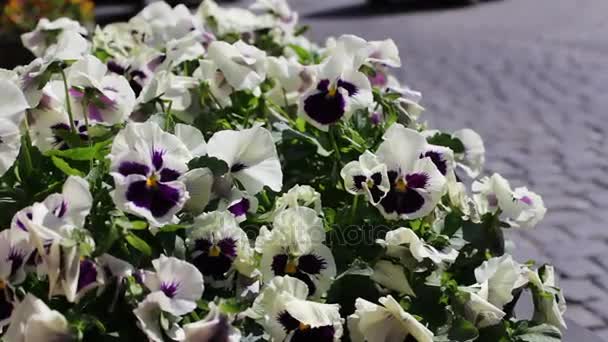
(254, 149)
(192, 138)
(401, 147)
(10, 144)
(198, 183)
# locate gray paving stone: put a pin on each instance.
(581, 290)
(584, 317)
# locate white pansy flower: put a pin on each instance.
(477, 309)
(503, 275)
(299, 196)
(520, 207)
(295, 247)
(165, 23)
(232, 19)
(47, 34)
(170, 88)
(187, 48)
(286, 315)
(215, 325)
(243, 65)
(34, 321)
(208, 73)
(386, 322)
(366, 176)
(148, 314)
(178, 285)
(59, 212)
(403, 243)
(251, 156)
(103, 98)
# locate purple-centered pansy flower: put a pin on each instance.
(147, 166)
(416, 184)
(294, 247)
(49, 121)
(366, 176)
(58, 214)
(340, 89)
(104, 98)
(178, 283)
(282, 309)
(218, 246)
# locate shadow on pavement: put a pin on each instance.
(369, 8)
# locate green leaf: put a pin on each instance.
(348, 288)
(217, 166)
(301, 30)
(139, 244)
(170, 228)
(288, 131)
(303, 55)
(97, 151)
(443, 139)
(138, 225)
(65, 167)
(541, 333)
(463, 330)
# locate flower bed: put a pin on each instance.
(218, 177)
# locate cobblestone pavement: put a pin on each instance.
(532, 78)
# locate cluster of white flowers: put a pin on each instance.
(197, 176)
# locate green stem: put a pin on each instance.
(29, 165)
(334, 144)
(169, 117)
(353, 209)
(214, 99)
(67, 101)
(90, 138)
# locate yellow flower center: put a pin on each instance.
(291, 267)
(401, 184)
(304, 326)
(152, 181)
(214, 251)
(332, 91)
(2, 285)
(370, 183)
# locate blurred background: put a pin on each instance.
(531, 76)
